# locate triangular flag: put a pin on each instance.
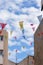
(33, 28)
(23, 31)
(21, 24)
(23, 47)
(16, 50)
(23, 36)
(31, 24)
(3, 25)
(15, 37)
(31, 43)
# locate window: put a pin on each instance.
(1, 38)
(41, 7)
(1, 52)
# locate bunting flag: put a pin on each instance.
(33, 28)
(31, 43)
(24, 47)
(24, 36)
(16, 50)
(31, 24)
(21, 24)
(3, 25)
(15, 37)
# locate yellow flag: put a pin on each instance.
(21, 24)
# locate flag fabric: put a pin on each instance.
(23, 47)
(16, 50)
(15, 37)
(31, 24)
(3, 25)
(33, 28)
(31, 43)
(21, 24)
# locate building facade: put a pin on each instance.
(27, 61)
(41, 5)
(38, 46)
(3, 47)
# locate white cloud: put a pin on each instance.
(4, 15)
(32, 10)
(11, 5)
(18, 1)
(31, 49)
(10, 43)
(38, 3)
(26, 42)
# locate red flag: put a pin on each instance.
(3, 25)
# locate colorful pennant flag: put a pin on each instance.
(15, 37)
(31, 24)
(33, 28)
(23, 47)
(3, 25)
(21, 24)
(16, 50)
(31, 43)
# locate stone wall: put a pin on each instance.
(38, 46)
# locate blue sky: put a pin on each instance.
(12, 12)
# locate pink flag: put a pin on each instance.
(33, 28)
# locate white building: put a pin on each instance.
(3, 47)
